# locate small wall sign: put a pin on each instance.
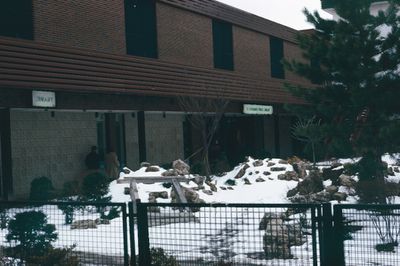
(254, 109)
(43, 99)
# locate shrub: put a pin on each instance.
(160, 258)
(95, 187)
(41, 189)
(56, 256)
(32, 233)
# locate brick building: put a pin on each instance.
(111, 72)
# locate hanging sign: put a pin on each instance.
(43, 99)
(254, 109)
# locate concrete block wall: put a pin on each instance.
(54, 147)
(164, 137)
(184, 37)
(132, 141)
(90, 24)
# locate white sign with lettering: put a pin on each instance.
(253, 109)
(43, 99)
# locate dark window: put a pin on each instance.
(141, 28)
(16, 18)
(276, 51)
(223, 48)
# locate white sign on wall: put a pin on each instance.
(254, 109)
(43, 99)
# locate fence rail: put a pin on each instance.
(199, 234)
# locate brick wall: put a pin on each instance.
(293, 51)
(131, 141)
(54, 147)
(90, 24)
(251, 53)
(164, 137)
(184, 37)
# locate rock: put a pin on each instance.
(282, 177)
(279, 237)
(336, 165)
(83, 224)
(208, 192)
(191, 195)
(292, 192)
(246, 181)
(311, 183)
(181, 167)
(266, 173)
(345, 180)
(170, 172)
(230, 188)
(339, 196)
(159, 194)
(260, 179)
(257, 172)
(241, 173)
(277, 169)
(292, 175)
(320, 197)
(332, 174)
(230, 182)
(300, 169)
(152, 168)
(199, 180)
(396, 169)
(270, 178)
(390, 171)
(223, 188)
(102, 221)
(126, 170)
(251, 173)
(152, 199)
(331, 189)
(258, 163)
(127, 191)
(144, 164)
(282, 162)
(212, 186)
(270, 164)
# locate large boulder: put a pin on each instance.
(312, 183)
(300, 168)
(332, 174)
(152, 168)
(83, 224)
(242, 171)
(346, 181)
(258, 163)
(181, 167)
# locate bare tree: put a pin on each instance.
(205, 115)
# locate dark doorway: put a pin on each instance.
(5, 154)
(241, 136)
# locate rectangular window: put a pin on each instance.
(141, 28)
(223, 47)
(276, 52)
(16, 19)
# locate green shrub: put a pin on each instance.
(32, 233)
(55, 256)
(160, 258)
(95, 187)
(41, 189)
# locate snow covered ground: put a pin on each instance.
(235, 235)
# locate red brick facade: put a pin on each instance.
(89, 24)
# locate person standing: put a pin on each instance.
(92, 160)
(112, 165)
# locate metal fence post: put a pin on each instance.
(338, 231)
(327, 258)
(132, 233)
(125, 234)
(143, 235)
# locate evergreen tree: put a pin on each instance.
(354, 64)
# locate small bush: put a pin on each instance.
(41, 189)
(32, 233)
(160, 258)
(95, 187)
(56, 256)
